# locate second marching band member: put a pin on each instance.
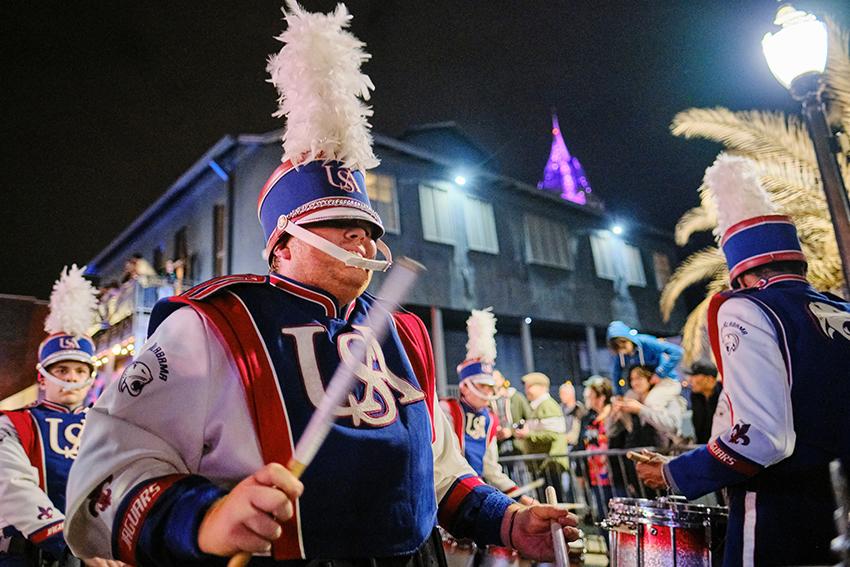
(38, 444)
(783, 351)
(475, 424)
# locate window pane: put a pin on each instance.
(602, 256)
(480, 225)
(546, 242)
(384, 198)
(661, 263)
(634, 266)
(436, 214)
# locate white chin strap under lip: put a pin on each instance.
(472, 388)
(62, 383)
(335, 251)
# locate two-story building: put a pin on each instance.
(553, 265)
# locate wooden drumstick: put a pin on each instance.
(559, 542)
(393, 292)
(638, 457)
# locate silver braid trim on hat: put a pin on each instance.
(333, 202)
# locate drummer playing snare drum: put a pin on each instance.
(783, 350)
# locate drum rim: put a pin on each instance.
(663, 512)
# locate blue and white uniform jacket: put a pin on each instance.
(227, 381)
(38, 445)
(783, 350)
(476, 432)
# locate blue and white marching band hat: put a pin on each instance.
(477, 368)
(73, 304)
(751, 231)
(327, 142)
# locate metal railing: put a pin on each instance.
(587, 479)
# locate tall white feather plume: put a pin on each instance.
(73, 303)
(734, 183)
(317, 75)
(481, 329)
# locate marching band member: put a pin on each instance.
(474, 422)
(783, 350)
(38, 444)
(235, 367)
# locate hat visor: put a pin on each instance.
(63, 355)
(343, 213)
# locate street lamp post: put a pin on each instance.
(796, 55)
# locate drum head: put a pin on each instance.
(663, 512)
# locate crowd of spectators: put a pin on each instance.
(642, 404)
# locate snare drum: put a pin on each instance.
(664, 531)
(459, 552)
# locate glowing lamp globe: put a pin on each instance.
(798, 50)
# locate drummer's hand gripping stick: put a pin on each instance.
(392, 293)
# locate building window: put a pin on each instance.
(634, 265)
(480, 225)
(613, 257)
(384, 198)
(661, 263)
(546, 242)
(436, 214)
(219, 251)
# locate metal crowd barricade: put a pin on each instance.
(588, 479)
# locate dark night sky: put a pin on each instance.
(106, 104)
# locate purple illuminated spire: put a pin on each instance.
(563, 172)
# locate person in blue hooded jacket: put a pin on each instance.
(631, 348)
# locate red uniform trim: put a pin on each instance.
(714, 340)
(452, 501)
(417, 345)
(494, 426)
(305, 293)
(137, 510)
(281, 170)
(766, 258)
(456, 413)
(236, 329)
(751, 222)
(42, 534)
(28, 433)
(728, 458)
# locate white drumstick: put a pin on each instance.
(559, 542)
(525, 488)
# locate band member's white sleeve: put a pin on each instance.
(449, 463)
(165, 415)
(757, 384)
(493, 473)
(21, 499)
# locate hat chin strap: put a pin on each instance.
(331, 249)
(473, 389)
(62, 383)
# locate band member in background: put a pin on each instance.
(783, 350)
(192, 441)
(38, 444)
(474, 423)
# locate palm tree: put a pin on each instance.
(783, 151)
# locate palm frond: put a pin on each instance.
(697, 267)
(838, 69)
(694, 220)
(752, 133)
(695, 331)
